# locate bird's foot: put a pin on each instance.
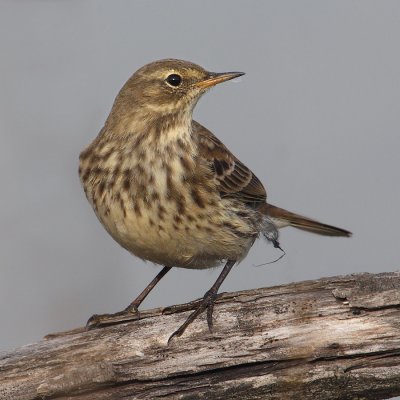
(100, 320)
(206, 303)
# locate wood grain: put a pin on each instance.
(332, 338)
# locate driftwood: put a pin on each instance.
(336, 338)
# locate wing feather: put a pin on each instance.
(233, 177)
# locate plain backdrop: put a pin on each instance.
(316, 117)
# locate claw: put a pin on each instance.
(100, 320)
(206, 303)
(210, 310)
(93, 322)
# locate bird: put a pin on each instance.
(169, 191)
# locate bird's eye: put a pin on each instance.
(174, 80)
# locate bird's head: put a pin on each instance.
(168, 86)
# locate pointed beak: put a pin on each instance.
(215, 78)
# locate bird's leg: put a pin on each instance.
(96, 320)
(133, 307)
(206, 303)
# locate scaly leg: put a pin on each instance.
(96, 320)
(206, 303)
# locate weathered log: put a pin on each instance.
(336, 338)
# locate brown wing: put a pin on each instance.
(234, 178)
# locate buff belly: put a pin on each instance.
(184, 242)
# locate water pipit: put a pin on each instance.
(167, 190)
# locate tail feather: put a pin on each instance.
(283, 218)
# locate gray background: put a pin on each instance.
(316, 118)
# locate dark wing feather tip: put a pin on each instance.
(234, 178)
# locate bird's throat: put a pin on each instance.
(171, 130)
